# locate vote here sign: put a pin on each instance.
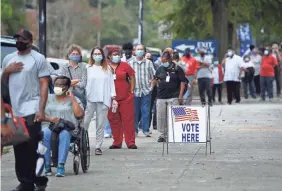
(187, 124)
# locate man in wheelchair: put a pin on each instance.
(63, 111)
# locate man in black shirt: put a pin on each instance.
(171, 85)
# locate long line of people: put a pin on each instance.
(124, 93)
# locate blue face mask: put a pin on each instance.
(97, 58)
(229, 53)
(75, 58)
(166, 64)
(116, 59)
(139, 53)
(215, 63)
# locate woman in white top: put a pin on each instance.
(100, 94)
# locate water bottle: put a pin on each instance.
(114, 108)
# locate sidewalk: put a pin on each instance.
(247, 155)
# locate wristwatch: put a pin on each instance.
(4, 120)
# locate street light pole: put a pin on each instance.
(140, 25)
(42, 27)
(99, 28)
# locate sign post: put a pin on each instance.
(188, 124)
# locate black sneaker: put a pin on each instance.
(203, 104)
(98, 151)
(132, 147)
(114, 147)
(161, 139)
(210, 104)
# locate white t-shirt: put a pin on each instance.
(256, 60)
(247, 65)
(232, 68)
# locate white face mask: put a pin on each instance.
(58, 91)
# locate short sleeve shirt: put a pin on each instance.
(267, 66)
(232, 68)
(206, 71)
(169, 89)
(24, 86)
(122, 72)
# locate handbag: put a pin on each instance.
(62, 125)
(18, 126)
(77, 94)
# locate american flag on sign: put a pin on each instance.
(185, 114)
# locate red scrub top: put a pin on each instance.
(122, 72)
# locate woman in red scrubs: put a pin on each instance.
(122, 120)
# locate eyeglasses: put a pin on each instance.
(97, 54)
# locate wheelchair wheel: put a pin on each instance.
(76, 163)
(84, 151)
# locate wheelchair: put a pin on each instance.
(79, 147)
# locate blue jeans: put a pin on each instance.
(248, 84)
(108, 129)
(189, 93)
(266, 85)
(142, 106)
(64, 145)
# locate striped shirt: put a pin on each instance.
(144, 74)
(79, 72)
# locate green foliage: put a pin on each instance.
(12, 16)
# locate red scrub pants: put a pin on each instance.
(122, 122)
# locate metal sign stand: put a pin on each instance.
(208, 130)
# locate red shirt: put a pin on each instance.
(267, 66)
(191, 65)
(123, 71)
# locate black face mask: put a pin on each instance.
(21, 46)
(187, 54)
(202, 54)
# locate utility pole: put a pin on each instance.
(99, 28)
(140, 25)
(42, 27)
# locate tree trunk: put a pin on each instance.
(220, 25)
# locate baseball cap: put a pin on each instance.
(26, 34)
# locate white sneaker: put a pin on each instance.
(107, 136)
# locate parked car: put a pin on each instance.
(57, 63)
(8, 46)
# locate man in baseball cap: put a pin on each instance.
(25, 34)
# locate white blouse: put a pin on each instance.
(100, 85)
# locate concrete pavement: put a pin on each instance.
(247, 155)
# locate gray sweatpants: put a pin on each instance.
(162, 114)
(101, 117)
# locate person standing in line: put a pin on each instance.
(108, 130)
(256, 59)
(122, 118)
(128, 52)
(232, 75)
(100, 94)
(75, 70)
(277, 68)
(267, 74)
(248, 78)
(154, 96)
(27, 74)
(144, 74)
(171, 85)
(189, 65)
(218, 74)
(204, 77)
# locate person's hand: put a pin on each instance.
(180, 100)
(14, 67)
(75, 81)
(154, 82)
(39, 116)
(55, 120)
(6, 132)
(114, 102)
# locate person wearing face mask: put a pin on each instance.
(189, 65)
(122, 118)
(277, 68)
(256, 59)
(267, 73)
(248, 77)
(204, 76)
(144, 73)
(100, 94)
(158, 62)
(61, 105)
(232, 75)
(171, 86)
(27, 75)
(76, 71)
(128, 52)
(217, 73)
